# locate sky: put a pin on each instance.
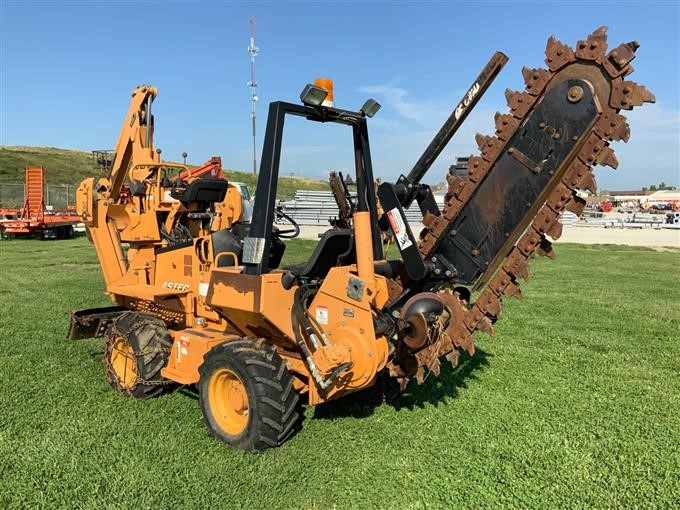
(67, 70)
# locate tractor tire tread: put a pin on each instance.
(148, 335)
(275, 408)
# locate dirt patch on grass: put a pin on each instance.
(665, 248)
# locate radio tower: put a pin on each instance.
(253, 51)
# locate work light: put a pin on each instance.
(312, 95)
(370, 108)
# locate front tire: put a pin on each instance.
(247, 395)
(136, 349)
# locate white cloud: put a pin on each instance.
(398, 99)
(394, 96)
(652, 154)
(654, 117)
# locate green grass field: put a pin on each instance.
(65, 166)
(575, 403)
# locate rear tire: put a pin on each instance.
(136, 349)
(247, 395)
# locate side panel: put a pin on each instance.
(255, 305)
(188, 350)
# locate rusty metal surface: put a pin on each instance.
(92, 322)
(603, 73)
(344, 219)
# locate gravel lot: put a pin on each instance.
(650, 237)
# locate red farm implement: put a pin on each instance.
(33, 219)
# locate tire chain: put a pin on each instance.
(113, 333)
(573, 175)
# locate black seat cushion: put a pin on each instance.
(206, 189)
(335, 248)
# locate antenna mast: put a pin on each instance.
(253, 51)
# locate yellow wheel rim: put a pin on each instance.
(123, 362)
(228, 401)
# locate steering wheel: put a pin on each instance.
(289, 233)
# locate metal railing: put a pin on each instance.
(57, 196)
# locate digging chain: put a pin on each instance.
(575, 173)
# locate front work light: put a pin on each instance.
(312, 95)
(370, 108)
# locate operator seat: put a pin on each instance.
(203, 190)
(335, 248)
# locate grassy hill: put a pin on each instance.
(66, 166)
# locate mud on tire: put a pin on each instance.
(272, 413)
(137, 347)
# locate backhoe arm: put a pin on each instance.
(135, 142)
(97, 200)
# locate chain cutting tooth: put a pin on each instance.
(545, 249)
(499, 282)
(455, 183)
(504, 283)
(465, 341)
(597, 152)
(588, 183)
(489, 303)
(628, 94)
(517, 265)
(477, 168)
(529, 241)
(559, 197)
(590, 151)
(472, 318)
(575, 174)
(513, 290)
(612, 127)
(452, 358)
(556, 229)
(576, 205)
(594, 47)
(618, 60)
(465, 192)
(506, 125)
(481, 140)
(547, 222)
(535, 79)
(558, 54)
(519, 102)
(453, 207)
(485, 326)
(607, 158)
(491, 149)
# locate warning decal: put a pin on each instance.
(399, 228)
(322, 314)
